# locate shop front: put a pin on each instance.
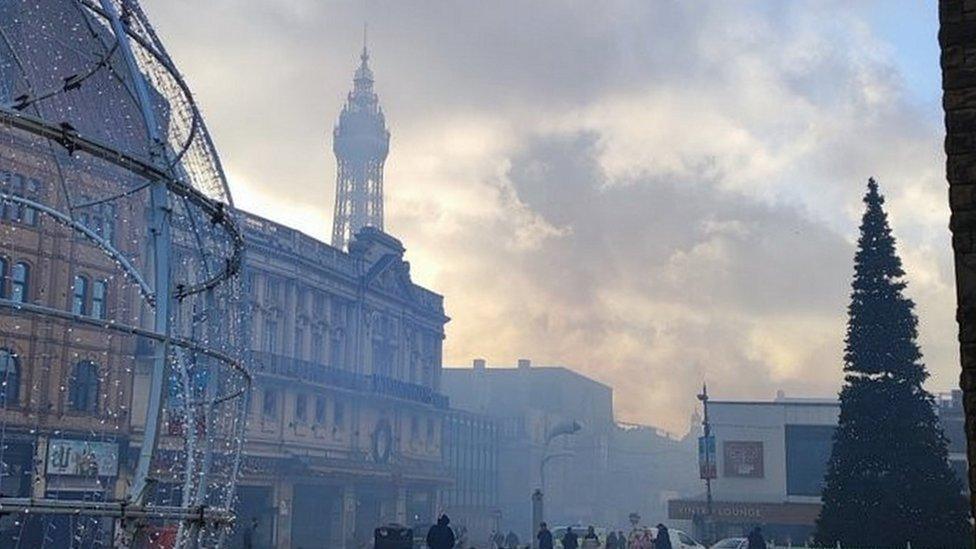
(78, 470)
(785, 521)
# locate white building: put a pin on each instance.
(771, 459)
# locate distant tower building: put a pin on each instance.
(361, 143)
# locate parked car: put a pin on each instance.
(680, 540)
(731, 543)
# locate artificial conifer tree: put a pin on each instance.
(888, 480)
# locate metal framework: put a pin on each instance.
(361, 143)
(189, 289)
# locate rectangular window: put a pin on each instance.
(272, 288)
(99, 292)
(320, 410)
(79, 293)
(269, 407)
(430, 430)
(299, 342)
(19, 282)
(301, 405)
(336, 351)
(271, 336)
(249, 283)
(414, 427)
(30, 214)
(318, 354)
(807, 451)
(338, 415)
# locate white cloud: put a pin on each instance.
(646, 192)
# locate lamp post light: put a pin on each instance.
(706, 461)
(538, 498)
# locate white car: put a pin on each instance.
(731, 543)
(679, 539)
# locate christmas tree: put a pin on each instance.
(888, 480)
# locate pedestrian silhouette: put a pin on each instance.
(440, 535)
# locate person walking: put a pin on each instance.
(756, 539)
(570, 539)
(612, 541)
(590, 539)
(440, 535)
(511, 540)
(663, 539)
(544, 536)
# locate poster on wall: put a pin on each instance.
(82, 458)
(707, 464)
(743, 459)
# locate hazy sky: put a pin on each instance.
(650, 192)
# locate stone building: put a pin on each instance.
(470, 453)
(65, 386)
(345, 419)
(528, 402)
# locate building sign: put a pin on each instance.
(735, 512)
(707, 462)
(82, 458)
(743, 459)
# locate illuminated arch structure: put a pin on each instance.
(115, 211)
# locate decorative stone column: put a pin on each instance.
(401, 505)
(284, 497)
(348, 518)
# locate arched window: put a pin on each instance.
(83, 388)
(9, 378)
(3, 278)
(19, 282)
(99, 291)
(79, 302)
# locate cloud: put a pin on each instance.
(650, 193)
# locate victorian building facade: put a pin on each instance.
(345, 418)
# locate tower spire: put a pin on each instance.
(365, 54)
(361, 143)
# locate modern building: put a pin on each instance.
(771, 460)
(470, 453)
(529, 402)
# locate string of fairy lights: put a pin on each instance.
(123, 396)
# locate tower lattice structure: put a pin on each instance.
(360, 142)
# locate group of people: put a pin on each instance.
(638, 539)
(440, 536)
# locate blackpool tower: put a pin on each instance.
(361, 143)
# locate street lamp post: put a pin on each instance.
(538, 497)
(708, 471)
